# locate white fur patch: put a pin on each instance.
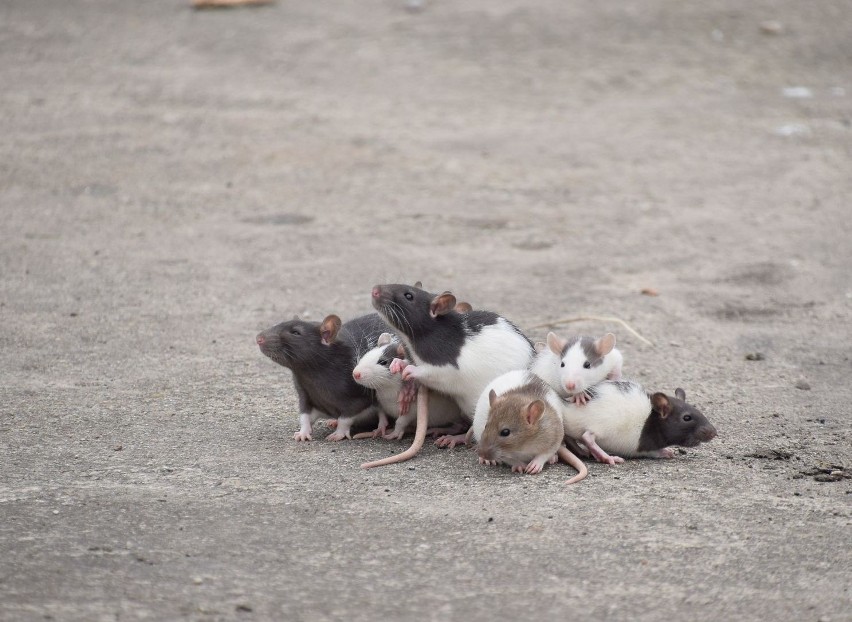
(495, 350)
(615, 418)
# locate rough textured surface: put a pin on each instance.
(173, 181)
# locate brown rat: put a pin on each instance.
(518, 422)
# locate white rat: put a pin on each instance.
(572, 366)
(373, 371)
(518, 422)
(621, 418)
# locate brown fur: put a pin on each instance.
(535, 428)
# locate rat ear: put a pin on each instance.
(384, 339)
(295, 318)
(419, 285)
(605, 344)
(680, 394)
(400, 351)
(492, 397)
(661, 404)
(329, 328)
(556, 343)
(540, 346)
(463, 307)
(534, 411)
(442, 304)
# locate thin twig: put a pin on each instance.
(591, 318)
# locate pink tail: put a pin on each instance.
(419, 433)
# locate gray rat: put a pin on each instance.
(622, 418)
(454, 353)
(321, 356)
(517, 422)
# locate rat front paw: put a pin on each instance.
(337, 436)
(301, 435)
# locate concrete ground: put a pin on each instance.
(173, 181)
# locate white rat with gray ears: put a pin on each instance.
(572, 366)
(373, 371)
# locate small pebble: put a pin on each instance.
(793, 129)
(649, 291)
(797, 92)
(772, 27)
(198, 580)
(244, 608)
(803, 385)
(755, 356)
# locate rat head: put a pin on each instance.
(581, 361)
(514, 431)
(679, 422)
(298, 343)
(373, 369)
(409, 309)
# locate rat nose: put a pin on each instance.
(486, 452)
(707, 433)
(356, 375)
(570, 385)
(261, 339)
(377, 292)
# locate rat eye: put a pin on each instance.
(687, 417)
(383, 362)
(562, 364)
(505, 432)
(409, 296)
(295, 331)
(587, 365)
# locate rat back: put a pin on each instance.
(615, 413)
(459, 353)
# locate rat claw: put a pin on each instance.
(407, 394)
(337, 436)
(302, 436)
(410, 372)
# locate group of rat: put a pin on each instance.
(478, 380)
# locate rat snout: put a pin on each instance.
(486, 452)
(377, 291)
(356, 374)
(706, 433)
(570, 385)
(260, 339)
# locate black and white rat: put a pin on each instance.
(571, 366)
(321, 356)
(373, 371)
(518, 422)
(621, 420)
(454, 353)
